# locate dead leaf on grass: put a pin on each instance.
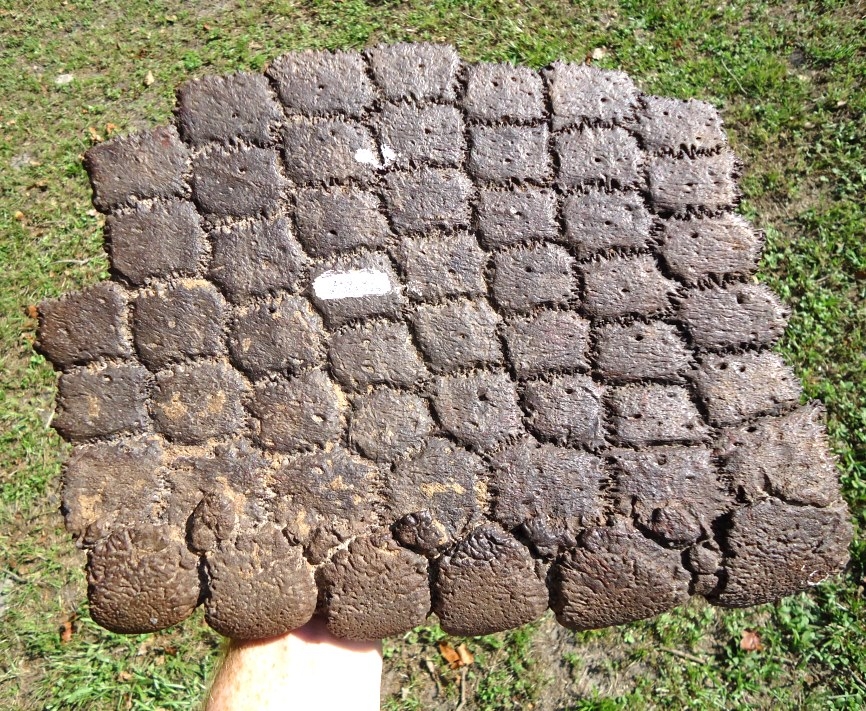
(149, 78)
(94, 134)
(67, 629)
(466, 657)
(31, 311)
(751, 641)
(599, 53)
(456, 658)
(450, 655)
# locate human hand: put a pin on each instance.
(307, 668)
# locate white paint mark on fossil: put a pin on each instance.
(351, 284)
(389, 155)
(367, 157)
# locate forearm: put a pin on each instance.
(305, 669)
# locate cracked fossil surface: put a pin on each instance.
(390, 334)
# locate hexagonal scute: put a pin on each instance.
(388, 424)
(547, 494)
(324, 150)
(298, 414)
(626, 285)
(737, 387)
(480, 410)
(416, 71)
(131, 168)
(337, 219)
(524, 214)
(325, 497)
(596, 221)
(671, 125)
(641, 351)
(704, 183)
(224, 484)
(530, 276)
(434, 495)
(697, 248)
(503, 153)
(157, 239)
(547, 340)
(240, 106)
(580, 94)
(256, 257)
(283, 335)
(237, 182)
(599, 156)
(358, 286)
(375, 353)
(427, 198)
(110, 483)
(85, 326)
(423, 134)
(458, 335)
(439, 266)
(319, 82)
(786, 457)
(733, 315)
(102, 401)
(502, 92)
(178, 322)
(389, 334)
(650, 414)
(567, 409)
(195, 402)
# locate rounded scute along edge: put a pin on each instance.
(374, 589)
(656, 583)
(489, 563)
(259, 586)
(142, 580)
(745, 560)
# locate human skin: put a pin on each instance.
(307, 668)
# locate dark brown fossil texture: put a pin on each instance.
(390, 334)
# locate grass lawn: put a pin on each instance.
(789, 78)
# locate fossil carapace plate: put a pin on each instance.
(389, 333)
